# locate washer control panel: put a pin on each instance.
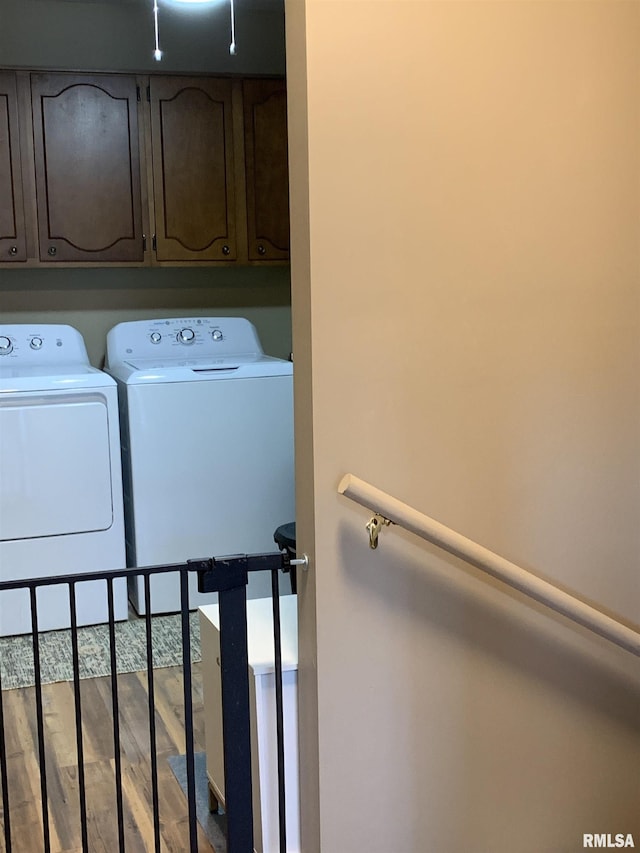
(42, 344)
(173, 339)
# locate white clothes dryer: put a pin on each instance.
(207, 448)
(61, 509)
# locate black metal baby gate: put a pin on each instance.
(228, 576)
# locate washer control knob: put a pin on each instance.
(186, 336)
(35, 343)
(217, 335)
(5, 345)
(155, 337)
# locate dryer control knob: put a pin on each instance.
(217, 335)
(186, 336)
(155, 337)
(5, 345)
(35, 343)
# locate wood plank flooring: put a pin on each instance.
(99, 761)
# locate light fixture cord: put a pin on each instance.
(232, 46)
(157, 53)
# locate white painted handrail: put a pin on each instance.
(557, 599)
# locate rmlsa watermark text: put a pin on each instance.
(620, 839)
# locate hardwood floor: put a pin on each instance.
(99, 762)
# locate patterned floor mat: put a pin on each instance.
(16, 653)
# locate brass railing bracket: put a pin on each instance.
(374, 525)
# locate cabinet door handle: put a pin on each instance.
(261, 249)
(226, 250)
(13, 250)
(52, 251)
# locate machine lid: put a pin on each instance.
(204, 363)
(149, 371)
(16, 376)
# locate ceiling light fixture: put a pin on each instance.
(157, 53)
(232, 46)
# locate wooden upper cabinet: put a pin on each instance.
(87, 167)
(12, 230)
(267, 170)
(193, 177)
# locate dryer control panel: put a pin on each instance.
(183, 337)
(50, 343)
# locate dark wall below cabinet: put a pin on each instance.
(94, 300)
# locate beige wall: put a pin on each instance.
(118, 36)
(465, 280)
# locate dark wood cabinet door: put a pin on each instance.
(87, 167)
(267, 170)
(12, 230)
(192, 142)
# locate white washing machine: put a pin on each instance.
(207, 448)
(61, 509)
